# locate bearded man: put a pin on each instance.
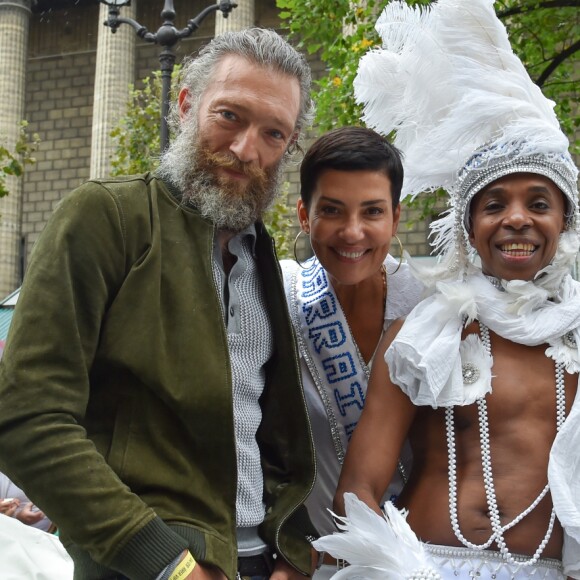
(151, 365)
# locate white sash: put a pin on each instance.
(333, 358)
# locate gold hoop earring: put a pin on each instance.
(295, 242)
(400, 257)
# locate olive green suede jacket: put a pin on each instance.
(116, 411)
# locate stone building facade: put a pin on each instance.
(65, 73)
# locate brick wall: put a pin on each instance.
(59, 95)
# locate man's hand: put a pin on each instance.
(199, 572)
(29, 516)
(206, 573)
(9, 506)
(283, 571)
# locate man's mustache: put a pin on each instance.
(232, 162)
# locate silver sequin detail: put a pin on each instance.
(570, 340)
(335, 428)
(495, 282)
(494, 161)
(470, 373)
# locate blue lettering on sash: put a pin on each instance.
(339, 367)
(349, 430)
(330, 335)
(310, 266)
(323, 307)
(331, 346)
(314, 283)
(354, 397)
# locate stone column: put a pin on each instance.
(115, 69)
(241, 17)
(14, 23)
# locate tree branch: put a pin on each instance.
(556, 61)
(547, 4)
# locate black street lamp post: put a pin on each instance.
(167, 37)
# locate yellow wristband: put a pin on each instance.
(184, 567)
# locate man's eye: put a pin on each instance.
(228, 115)
(277, 134)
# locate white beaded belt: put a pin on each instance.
(487, 557)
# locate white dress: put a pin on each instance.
(404, 291)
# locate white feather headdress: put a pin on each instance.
(464, 108)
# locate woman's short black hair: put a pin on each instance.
(351, 149)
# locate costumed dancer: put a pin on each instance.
(344, 298)
(482, 376)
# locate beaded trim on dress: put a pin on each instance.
(466, 564)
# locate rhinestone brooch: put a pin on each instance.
(569, 340)
(470, 373)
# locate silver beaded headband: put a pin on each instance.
(490, 163)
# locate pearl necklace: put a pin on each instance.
(497, 529)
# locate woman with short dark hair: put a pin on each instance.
(343, 298)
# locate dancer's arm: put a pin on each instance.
(373, 452)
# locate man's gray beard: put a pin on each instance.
(233, 211)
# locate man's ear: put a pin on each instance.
(184, 102)
(293, 142)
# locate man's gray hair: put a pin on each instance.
(258, 45)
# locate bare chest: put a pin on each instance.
(523, 386)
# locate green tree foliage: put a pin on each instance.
(13, 161)
(340, 31)
(136, 136)
(137, 149)
(279, 224)
(544, 34)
